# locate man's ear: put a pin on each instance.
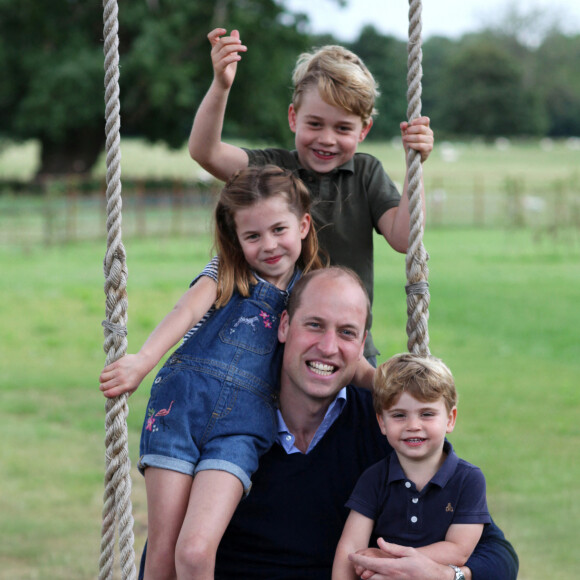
(292, 118)
(362, 348)
(283, 327)
(365, 131)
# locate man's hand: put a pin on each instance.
(394, 562)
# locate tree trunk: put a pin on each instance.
(75, 154)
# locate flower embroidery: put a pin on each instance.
(266, 319)
(150, 422)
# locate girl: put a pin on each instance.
(212, 410)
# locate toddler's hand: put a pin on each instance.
(371, 553)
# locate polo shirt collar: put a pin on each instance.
(441, 478)
(347, 167)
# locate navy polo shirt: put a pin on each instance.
(403, 515)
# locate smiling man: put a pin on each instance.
(289, 525)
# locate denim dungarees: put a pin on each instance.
(213, 404)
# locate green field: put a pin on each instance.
(504, 316)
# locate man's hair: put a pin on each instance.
(342, 80)
(244, 189)
(426, 379)
(333, 272)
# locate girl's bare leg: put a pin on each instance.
(212, 502)
(168, 495)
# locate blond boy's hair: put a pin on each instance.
(426, 379)
(342, 80)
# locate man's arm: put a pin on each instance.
(459, 543)
(398, 563)
(395, 223)
(493, 559)
(205, 141)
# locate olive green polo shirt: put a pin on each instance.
(347, 204)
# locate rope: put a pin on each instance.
(416, 261)
(117, 496)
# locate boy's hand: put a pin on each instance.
(418, 135)
(123, 376)
(224, 55)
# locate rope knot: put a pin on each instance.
(118, 329)
(417, 289)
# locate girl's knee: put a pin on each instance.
(195, 558)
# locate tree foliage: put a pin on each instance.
(386, 58)
(517, 77)
(51, 60)
(559, 82)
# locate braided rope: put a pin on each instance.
(416, 262)
(117, 496)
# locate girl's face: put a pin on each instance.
(271, 238)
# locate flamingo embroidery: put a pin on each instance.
(161, 414)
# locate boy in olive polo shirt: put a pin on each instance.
(331, 113)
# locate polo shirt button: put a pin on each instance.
(415, 500)
(288, 437)
(414, 519)
(407, 484)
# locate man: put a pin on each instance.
(290, 523)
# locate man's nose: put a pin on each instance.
(328, 343)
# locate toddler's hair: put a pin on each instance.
(427, 379)
(243, 190)
(342, 80)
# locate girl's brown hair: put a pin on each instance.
(243, 190)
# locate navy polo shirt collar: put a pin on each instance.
(441, 478)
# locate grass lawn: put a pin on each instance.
(504, 316)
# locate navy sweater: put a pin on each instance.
(289, 525)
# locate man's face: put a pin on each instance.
(325, 338)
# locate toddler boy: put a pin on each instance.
(423, 495)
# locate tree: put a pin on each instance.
(386, 58)
(558, 82)
(485, 93)
(51, 62)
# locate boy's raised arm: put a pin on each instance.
(205, 141)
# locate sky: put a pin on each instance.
(450, 18)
